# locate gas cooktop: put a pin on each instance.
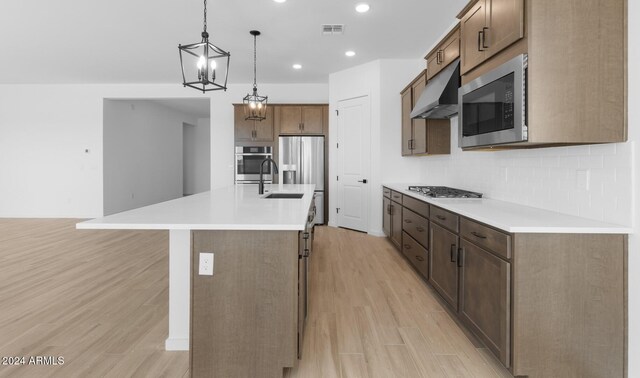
(444, 192)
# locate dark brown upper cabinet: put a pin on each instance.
(488, 27)
(420, 136)
(444, 53)
(304, 119)
(252, 131)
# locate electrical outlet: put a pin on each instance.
(205, 268)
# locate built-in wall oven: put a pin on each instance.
(248, 160)
(493, 107)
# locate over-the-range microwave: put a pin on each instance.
(493, 107)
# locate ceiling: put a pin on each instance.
(135, 41)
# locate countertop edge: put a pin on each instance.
(116, 221)
(193, 227)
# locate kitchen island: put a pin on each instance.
(263, 234)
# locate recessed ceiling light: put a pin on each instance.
(297, 66)
(362, 7)
(350, 53)
(279, 1)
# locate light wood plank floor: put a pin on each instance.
(100, 300)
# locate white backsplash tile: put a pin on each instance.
(547, 178)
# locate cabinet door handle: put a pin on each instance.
(460, 257)
(408, 221)
(441, 217)
(420, 229)
(364, 181)
(389, 209)
(452, 253)
(477, 235)
(484, 37)
(407, 246)
(480, 41)
(419, 258)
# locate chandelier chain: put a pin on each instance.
(254, 61)
(205, 15)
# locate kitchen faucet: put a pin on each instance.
(275, 170)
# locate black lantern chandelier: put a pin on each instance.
(210, 63)
(255, 106)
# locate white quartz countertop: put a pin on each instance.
(516, 218)
(237, 207)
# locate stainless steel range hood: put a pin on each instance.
(439, 100)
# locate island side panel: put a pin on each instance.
(244, 317)
(569, 305)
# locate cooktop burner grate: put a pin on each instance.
(444, 192)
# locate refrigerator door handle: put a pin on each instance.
(302, 179)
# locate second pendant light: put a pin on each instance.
(255, 106)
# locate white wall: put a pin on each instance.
(44, 169)
(381, 81)
(549, 178)
(197, 156)
(45, 130)
(143, 157)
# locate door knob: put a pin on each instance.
(363, 181)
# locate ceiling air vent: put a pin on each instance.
(332, 29)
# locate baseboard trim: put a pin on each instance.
(176, 344)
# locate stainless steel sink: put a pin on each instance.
(285, 195)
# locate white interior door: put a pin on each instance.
(354, 135)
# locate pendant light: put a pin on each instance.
(208, 65)
(255, 106)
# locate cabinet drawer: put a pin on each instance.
(417, 255)
(386, 192)
(443, 217)
(416, 226)
(486, 237)
(396, 196)
(422, 208)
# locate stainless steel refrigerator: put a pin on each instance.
(301, 161)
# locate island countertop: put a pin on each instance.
(236, 207)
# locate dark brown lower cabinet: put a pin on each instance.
(386, 216)
(417, 254)
(443, 263)
(392, 221)
(396, 223)
(485, 298)
(302, 298)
